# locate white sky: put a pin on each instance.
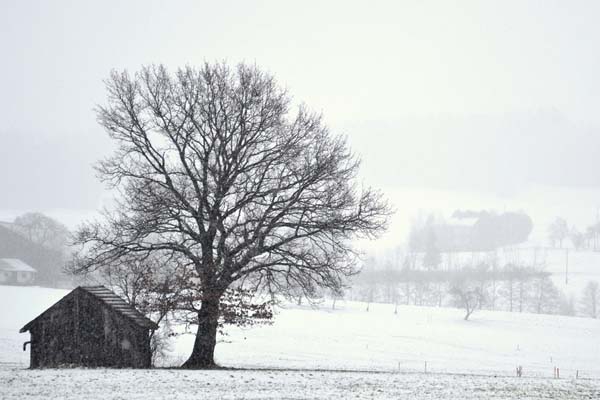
(490, 97)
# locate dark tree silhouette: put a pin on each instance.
(42, 230)
(467, 296)
(468, 288)
(214, 165)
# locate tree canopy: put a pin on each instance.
(214, 167)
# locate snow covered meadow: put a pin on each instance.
(278, 384)
(341, 353)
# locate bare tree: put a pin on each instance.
(523, 279)
(213, 165)
(590, 301)
(577, 238)
(45, 246)
(566, 305)
(369, 281)
(509, 275)
(558, 231)
(336, 294)
(545, 298)
(591, 235)
(467, 296)
(42, 230)
(467, 288)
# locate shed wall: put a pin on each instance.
(84, 331)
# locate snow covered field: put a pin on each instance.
(391, 350)
(177, 384)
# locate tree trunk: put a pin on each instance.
(469, 312)
(206, 337)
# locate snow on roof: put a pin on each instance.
(109, 298)
(15, 265)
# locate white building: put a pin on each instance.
(15, 272)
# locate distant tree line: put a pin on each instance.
(587, 239)
(512, 288)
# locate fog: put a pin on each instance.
(491, 103)
(241, 237)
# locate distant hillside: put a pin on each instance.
(47, 262)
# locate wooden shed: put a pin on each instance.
(92, 327)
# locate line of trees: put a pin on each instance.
(513, 288)
(588, 239)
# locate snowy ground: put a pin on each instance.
(177, 384)
(572, 270)
(350, 338)
(390, 349)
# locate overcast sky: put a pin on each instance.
(486, 96)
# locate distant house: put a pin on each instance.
(92, 327)
(16, 272)
(47, 262)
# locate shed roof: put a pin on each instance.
(116, 302)
(15, 265)
(112, 300)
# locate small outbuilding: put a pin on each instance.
(16, 272)
(90, 327)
